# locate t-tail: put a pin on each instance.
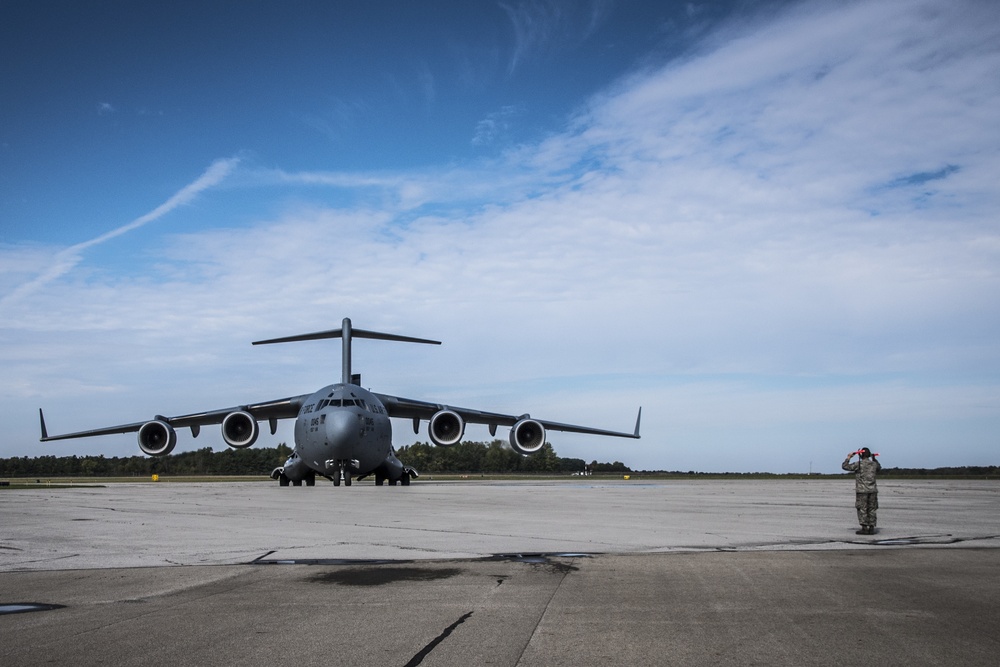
(346, 332)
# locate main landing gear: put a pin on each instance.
(380, 479)
(341, 472)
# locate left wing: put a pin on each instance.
(239, 425)
(408, 408)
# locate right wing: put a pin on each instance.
(408, 408)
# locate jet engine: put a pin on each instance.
(239, 429)
(157, 438)
(527, 436)
(446, 428)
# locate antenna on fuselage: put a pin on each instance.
(346, 333)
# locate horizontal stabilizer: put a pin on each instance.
(347, 332)
(338, 333)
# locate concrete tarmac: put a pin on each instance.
(580, 572)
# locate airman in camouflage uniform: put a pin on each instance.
(865, 488)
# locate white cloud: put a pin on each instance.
(495, 125)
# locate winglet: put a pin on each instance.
(45, 433)
(637, 418)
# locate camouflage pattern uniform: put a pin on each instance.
(866, 490)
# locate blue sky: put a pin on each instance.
(774, 225)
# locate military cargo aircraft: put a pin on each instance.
(342, 431)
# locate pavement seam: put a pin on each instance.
(541, 616)
(167, 594)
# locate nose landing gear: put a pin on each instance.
(340, 470)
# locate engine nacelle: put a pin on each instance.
(157, 438)
(446, 428)
(239, 429)
(527, 436)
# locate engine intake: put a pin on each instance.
(157, 438)
(527, 436)
(239, 429)
(446, 428)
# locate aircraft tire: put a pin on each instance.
(283, 480)
(336, 479)
(311, 480)
(405, 479)
(347, 478)
(296, 482)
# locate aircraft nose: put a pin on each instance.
(342, 434)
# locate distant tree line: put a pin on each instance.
(986, 472)
(249, 461)
(495, 457)
(465, 457)
(956, 471)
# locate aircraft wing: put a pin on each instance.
(408, 408)
(284, 408)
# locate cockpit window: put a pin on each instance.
(347, 403)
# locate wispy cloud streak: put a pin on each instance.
(540, 25)
(65, 260)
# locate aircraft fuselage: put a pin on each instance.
(343, 425)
